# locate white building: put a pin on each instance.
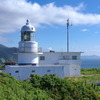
(33, 61)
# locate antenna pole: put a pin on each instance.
(68, 25)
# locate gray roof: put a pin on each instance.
(28, 27)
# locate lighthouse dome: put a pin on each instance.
(28, 27)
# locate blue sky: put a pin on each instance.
(49, 18)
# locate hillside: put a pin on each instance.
(7, 53)
(91, 75)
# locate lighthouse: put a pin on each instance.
(32, 61)
(28, 47)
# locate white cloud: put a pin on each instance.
(84, 30)
(13, 14)
(50, 48)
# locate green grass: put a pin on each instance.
(91, 75)
(90, 71)
(88, 75)
(87, 79)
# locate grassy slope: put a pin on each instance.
(90, 71)
(91, 75)
(88, 76)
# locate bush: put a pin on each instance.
(65, 89)
(47, 87)
(2, 67)
(12, 89)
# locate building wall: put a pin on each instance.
(74, 69)
(71, 66)
(58, 63)
(23, 72)
(50, 59)
(66, 71)
(59, 58)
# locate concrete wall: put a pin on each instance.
(74, 69)
(54, 63)
(66, 71)
(25, 71)
(50, 59)
(58, 58)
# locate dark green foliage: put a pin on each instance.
(35, 80)
(65, 89)
(2, 67)
(12, 89)
(47, 87)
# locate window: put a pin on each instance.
(48, 70)
(66, 57)
(33, 71)
(74, 57)
(42, 57)
(16, 71)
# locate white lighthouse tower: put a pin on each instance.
(28, 47)
(30, 61)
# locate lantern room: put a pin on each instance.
(28, 32)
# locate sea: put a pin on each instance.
(90, 63)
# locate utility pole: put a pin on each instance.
(68, 26)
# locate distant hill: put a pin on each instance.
(90, 57)
(7, 53)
